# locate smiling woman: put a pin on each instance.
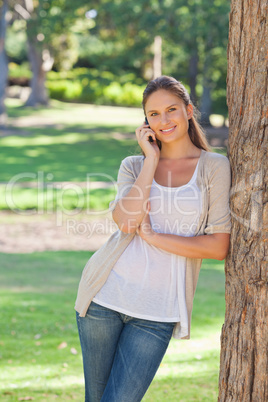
(170, 115)
(172, 211)
(173, 91)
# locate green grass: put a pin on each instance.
(37, 294)
(64, 143)
(52, 199)
(68, 141)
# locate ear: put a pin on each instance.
(190, 111)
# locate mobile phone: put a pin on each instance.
(150, 138)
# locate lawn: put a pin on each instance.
(40, 351)
(67, 140)
(73, 143)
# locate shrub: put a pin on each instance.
(90, 86)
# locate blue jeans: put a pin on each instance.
(121, 354)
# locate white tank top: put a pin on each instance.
(148, 282)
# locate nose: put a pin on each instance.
(164, 118)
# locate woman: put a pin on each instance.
(171, 210)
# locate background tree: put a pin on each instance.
(120, 40)
(48, 24)
(244, 344)
(129, 27)
(200, 29)
(3, 61)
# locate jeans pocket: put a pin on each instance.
(97, 311)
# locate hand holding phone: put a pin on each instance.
(150, 137)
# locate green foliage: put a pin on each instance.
(120, 40)
(67, 51)
(65, 90)
(19, 70)
(16, 46)
(88, 85)
(127, 94)
(93, 86)
(47, 27)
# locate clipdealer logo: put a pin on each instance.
(48, 190)
(254, 185)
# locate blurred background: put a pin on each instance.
(72, 74)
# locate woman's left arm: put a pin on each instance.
(213, 246)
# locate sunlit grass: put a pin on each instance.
(16, 141)
(75, 113)
(67, 197)
(67, 141)
(37, 294)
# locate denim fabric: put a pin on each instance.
(121, 354)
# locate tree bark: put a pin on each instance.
(38, 95)
(193, 70)
(3, 63)
(244, 341)
(206, 104)
(157, 64)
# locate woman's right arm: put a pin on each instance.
(130, 209)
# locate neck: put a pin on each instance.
(179, 150)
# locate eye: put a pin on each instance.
(153, 114)
(172, 109)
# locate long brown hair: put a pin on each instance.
(170, 84)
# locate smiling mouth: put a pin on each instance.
(168, 130)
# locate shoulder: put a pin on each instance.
(214, 161)
(133, 160)
(133, 163)
(214, 157)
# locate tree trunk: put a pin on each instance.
(206, 101)
(193, 70)
(206, 104)
(3, 63)
(244, 341)
(38, 95)
(157, 65)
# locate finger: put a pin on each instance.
(145, 134)
(144, 125)
(148, 133)
(147, 208)
(140, 132)
(142, 128)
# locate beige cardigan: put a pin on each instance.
(213, 179)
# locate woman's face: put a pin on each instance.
(167, 115)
